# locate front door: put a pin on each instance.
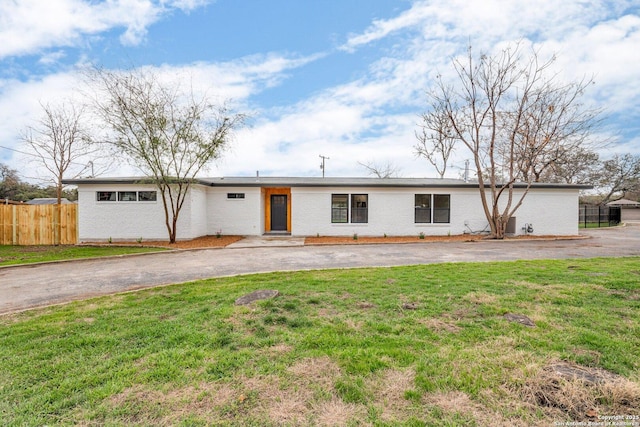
(278, 212)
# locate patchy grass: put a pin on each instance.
(423, 345)
(12, 255)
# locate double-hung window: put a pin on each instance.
(353, 208)
(432, 208)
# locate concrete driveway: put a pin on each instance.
(41, 285)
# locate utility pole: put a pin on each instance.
(466, 170)
(322, 164)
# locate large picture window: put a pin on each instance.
(432, 208)
(359, 208)
(339, 208)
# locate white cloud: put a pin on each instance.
(374, 117)
(28, 26)
(235, 80)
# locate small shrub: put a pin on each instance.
(139, 240)
(219, 234)
(385, 235)
(421, 235)
(355, 236)
(110, 240)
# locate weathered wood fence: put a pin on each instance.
(38, 224)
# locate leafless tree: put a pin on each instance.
(169, 133)
(386, 170)
(619, 174)
(61, 143)
(508, 111)
(436, 139)
(574, 165)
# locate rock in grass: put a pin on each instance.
(519, 318)
(257, 295)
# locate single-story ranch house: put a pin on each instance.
(127, 208)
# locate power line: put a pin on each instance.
(35, 155)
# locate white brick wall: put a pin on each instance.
(124, 220)
(391, 211)
(242, 217)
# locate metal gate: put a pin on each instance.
(599, 216)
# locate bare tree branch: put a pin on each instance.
(386, 170)
(168, 133)
(61, 143)
(512, 116)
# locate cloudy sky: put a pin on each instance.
(341, 78)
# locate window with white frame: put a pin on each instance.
(432, 208)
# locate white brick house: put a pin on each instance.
(125, 208)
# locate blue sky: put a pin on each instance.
(342, 78)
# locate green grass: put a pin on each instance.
(335, 348)
(12, 255)
(605, 224)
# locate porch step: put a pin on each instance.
(268, 241)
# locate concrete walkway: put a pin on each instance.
(40, 285)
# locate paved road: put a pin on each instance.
(40, 285)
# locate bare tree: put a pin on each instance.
(170, 134)
(61, 143)
(386, 170)
(508, 112)
(574, 165)
(620, 174)
(436, 139)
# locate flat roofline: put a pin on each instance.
(322, 182)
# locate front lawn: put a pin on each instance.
(11, 255)
(422, 345)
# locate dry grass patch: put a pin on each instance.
(389, 389)
(166, 407)
(569, 391)
(337, 413)
(321, 371)
(453, 402)
(439, 326)
(480, 298)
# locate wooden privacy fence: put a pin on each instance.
(38, 224)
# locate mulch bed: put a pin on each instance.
(222, 241)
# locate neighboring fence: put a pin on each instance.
(38, 224)
(599, 216)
